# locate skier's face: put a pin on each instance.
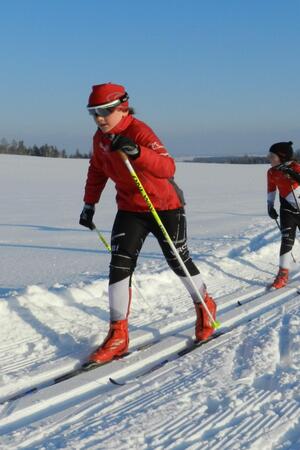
(274, 159)
(109, 121)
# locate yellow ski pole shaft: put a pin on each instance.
(102, 239)
(145, 196)
(108, 247)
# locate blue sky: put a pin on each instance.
(210, 77)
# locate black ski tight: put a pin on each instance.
(289, 221)
(129, 232)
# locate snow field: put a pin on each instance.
(238, 393)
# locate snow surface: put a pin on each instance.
(243, 393)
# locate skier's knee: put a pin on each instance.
(178, 270)
(121, 266)
(287, 244)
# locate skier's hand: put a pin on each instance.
(125, 144)
(86, 216)
(272, 212)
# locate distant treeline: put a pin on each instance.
(246, 159)
(19, 148)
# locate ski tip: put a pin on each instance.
(115, 382)
(216, 324)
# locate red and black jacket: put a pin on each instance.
(288, 186)
(154, 168)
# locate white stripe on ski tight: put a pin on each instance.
(197, 279)
(285, 260)
(119, 297)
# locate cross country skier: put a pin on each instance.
(284, 175)
(117, 129)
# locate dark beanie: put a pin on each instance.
(283, 149)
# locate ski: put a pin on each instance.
(86, 367)
(189, 348)
(90, 365)
(243, 301)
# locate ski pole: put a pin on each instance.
(215, 323)
(102, 239)
(280, 232)
(108, 247)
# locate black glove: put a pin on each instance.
(127, 146)
(86, 217)
(272, 212)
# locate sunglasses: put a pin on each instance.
(108, 108)
(102, 112)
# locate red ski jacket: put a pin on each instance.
(287, 187)
(154, 168)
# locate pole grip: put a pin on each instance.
(123, 155)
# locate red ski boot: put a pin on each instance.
(281, 278)
(115, 343)
(203, 328)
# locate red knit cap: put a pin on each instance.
(103, 95)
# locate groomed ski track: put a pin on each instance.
(143, 336)
(69, 399)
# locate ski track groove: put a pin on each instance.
(186, 320)
(189, 427)
(25, 364)
(206, 424)
(153, 400)
(13, 345)
(16, 365)
(220, 309)
(249, 426)
(251, 430)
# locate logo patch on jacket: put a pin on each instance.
(156, 145)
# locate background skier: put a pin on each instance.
(119, 130)
(284, 175)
